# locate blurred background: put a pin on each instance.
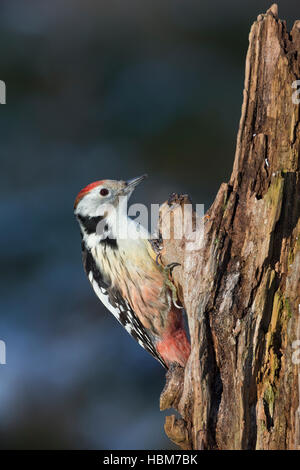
(95, 90)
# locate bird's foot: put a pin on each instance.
(158, 258)
(169, 284)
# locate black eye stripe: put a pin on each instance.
(104, 192)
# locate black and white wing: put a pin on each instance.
(117, 305)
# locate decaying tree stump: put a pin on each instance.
(241, 287)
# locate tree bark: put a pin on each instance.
(241, 286)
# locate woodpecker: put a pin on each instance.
(125, 274)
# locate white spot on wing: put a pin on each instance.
(132, 326)
(103, 297)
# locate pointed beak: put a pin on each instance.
(131, 185)
(135, 181)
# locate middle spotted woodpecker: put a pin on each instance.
(124, 272)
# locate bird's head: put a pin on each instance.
(102, 197)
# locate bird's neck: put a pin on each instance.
(118, 227)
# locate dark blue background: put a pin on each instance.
(100, 89)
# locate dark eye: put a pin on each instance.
(104, 192)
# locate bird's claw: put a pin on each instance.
(168, 271)
(158, 257)
(169, 268)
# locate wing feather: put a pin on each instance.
(118, 305)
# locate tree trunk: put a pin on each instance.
(241, 286)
